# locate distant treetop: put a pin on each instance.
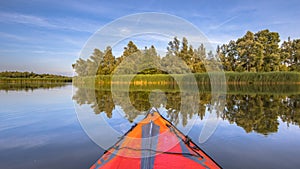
(17, 74)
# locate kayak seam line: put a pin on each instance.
(162, 152)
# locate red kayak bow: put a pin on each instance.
(155, 143)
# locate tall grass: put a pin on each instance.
(199, 78)
(266, 82)
(29, 86)
(263, 77)
(35, 80)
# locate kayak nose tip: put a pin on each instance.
(153, 110)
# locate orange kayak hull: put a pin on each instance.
(155, 143)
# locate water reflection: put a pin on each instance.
(103, 101)
(30, 86)
(253, 112)
(260, 112)
(40, 129)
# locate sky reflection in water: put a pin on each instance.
(40, 129)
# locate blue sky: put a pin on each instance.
(47, 36)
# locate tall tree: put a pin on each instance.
(286, 51)
(187, 53)
(107, 65)
(173, 47)
(249, 53)
(149, 61)
(130, 53)
(228, 55)
(183, 54)
(129, 50)
(80, 67)
(191, 55)
(198, 59)
(295, 57)
(271, 52)
(290, 54)
(97, 57)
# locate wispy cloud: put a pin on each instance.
(61, 53)
(12, 36)
(74, 24)
(223, 23)
(24, 19)
(105, 9)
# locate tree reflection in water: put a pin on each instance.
(253, 112)
(27, 86)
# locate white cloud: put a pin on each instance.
(12, 36)
(74, 24)
(24, 19)
(124, 31)
(219, 26)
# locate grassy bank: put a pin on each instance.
(247, 83)
(5, 80)
(16, 77)
(199, 78)
(29, 86)
(263, 78)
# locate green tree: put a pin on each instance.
(228, 55)
(191, 55)
(183, 54)
(90, 66)
(173, 47)
(253, 53)
(80, 67)
(97, 57)
(149, 61)
(174, 61)
(271, 52)
(290, 54)
(108, 63)
(130, 53)
(286, 52)
(130, 49)
(198, 58)
(250, 53)
(295, 56)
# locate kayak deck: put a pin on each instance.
(155, 143)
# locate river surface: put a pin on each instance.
(63, 126)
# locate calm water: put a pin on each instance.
(39, 127)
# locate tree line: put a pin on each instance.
(17, 74)
(254, 52)
(180, 58)
(260, 52)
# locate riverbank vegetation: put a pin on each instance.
(200, 79)
(29, 86)
(248, 59)
(30, 77)
(262, 77)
